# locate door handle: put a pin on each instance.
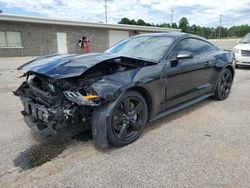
(209, 63)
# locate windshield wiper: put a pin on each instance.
(245, 42)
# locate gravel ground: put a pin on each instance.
(206, 145)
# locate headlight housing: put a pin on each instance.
(78, 98)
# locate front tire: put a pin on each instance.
(127, 118)
(224, 85)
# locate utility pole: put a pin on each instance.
(106, 12)
(220, 26)
(172, 17)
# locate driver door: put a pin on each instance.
(188, 77)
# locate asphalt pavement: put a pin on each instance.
(205, 145)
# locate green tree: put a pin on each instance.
(174, 25)
(141, 22)
(207, 32)
(167, 25)
(124, 21)
(133, 22)
(183, 24)
(193, 29)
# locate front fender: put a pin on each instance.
(112, 86)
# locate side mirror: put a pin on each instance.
(181, 55)
(184, 55)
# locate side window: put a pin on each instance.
(196, 46)
(203, 47)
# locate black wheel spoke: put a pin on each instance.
(126, 105)
(227, 77)
(123, 132)
(223, 79)
(228, 85)
(137, 108)
(135, 125)
(117, 120)
(221, 88)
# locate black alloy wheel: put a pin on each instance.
(128, 119)
(224, 85)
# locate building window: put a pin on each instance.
(10, 39)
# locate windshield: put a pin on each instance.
(146, 47)
(246, 39)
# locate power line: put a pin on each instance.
(220, 26)
(172, 17)
(106, 12)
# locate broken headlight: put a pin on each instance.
(78, 98)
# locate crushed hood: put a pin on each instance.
(65, 66)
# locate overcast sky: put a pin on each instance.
(201, 12)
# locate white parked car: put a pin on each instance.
(242, 51)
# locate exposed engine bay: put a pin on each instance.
(52, 105)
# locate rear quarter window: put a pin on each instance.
(196, 46)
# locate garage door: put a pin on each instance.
(116, 36)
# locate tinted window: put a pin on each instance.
(146, 47)
(196, 46)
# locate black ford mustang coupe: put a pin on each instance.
(114, 94)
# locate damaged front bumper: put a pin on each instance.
(37, 111)
(53, 120)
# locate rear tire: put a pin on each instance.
(224, 84)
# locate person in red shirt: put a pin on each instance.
(85, 45)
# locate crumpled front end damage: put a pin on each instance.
(53, 105)
(49, 109)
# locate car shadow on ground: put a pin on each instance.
(171, 117)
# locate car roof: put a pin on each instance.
(172, 34)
